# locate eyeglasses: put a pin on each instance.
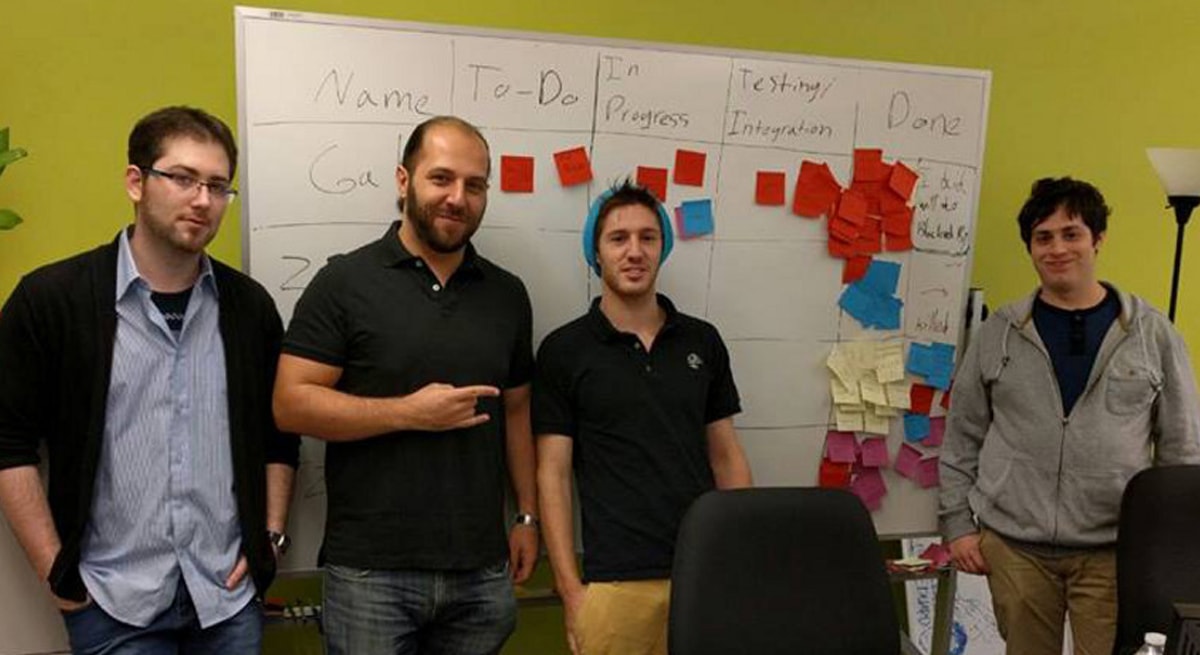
(218, 189)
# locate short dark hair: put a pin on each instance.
(416, 141)
(154, 129)
(625, 193)
(1077, 197)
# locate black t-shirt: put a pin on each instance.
(1073, 338)
(425, 500)
(638, 422)
(173, 307)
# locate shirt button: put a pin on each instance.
(437, 287)
(637, 346)
(419, 263)
(647, 368)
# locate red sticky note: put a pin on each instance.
(874, 452)
(689, 167)
(897, 243)
(817, 190)
(903, 180)
(907, 461)
(937, 428)
(770, 188)
(852, 207)
(833, 475)
(843, 229)
(921, 398)
(866, 245)
(654, 179)
(898, 223)
(927, 473)
(840, 248)
(854, 269)
(840, 447)
(890, 202)
(573, 166)
(946, 397)
(516, 174)
(869, 166)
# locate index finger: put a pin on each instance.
(478, 390)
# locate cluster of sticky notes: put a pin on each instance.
(694, 218)
(934, 362)
(911, 464)
(849, 464)
(871, 299)
(868, 385)
(919, 426)
(871, 215)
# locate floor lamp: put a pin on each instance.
(1179, 171)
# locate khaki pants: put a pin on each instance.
(1031, 594)
(624, 618)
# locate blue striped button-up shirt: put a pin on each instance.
(164, 511)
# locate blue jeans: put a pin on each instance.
(410, 612)
(176, 631)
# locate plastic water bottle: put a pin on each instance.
(1152, 644)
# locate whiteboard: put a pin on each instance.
(326, 103)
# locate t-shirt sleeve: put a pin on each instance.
(521, 369)
(318, 330)
(553, 412)
(723, 399)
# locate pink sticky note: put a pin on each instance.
(870, 481)
(770, 188)
(573, 165)
(840, 447)
(689, 167)
(874, 452)
(654, 179)
(938, 554)
(927, 472)
(937, 427)
(907, 461)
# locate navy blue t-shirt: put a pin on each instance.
(1073, 337)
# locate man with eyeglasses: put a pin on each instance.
(1059, 400)
(412, 358)
(146, 367)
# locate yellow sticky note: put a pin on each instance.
(873, 422)
(849, 421)
(842, 394)
(897, 393)
(884, 410)
(841, 366)
(889, 362)
(872, 391)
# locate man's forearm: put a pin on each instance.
(519, 448)
(333, 415)
(280, 480)
(23, 502)
(558, 529)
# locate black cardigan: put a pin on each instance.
(56, 342)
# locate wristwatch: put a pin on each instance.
(522, 518)
(280, 541)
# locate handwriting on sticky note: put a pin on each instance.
(573, 165)
(516, 174)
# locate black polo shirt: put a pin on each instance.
(425, 500)
(638, 422)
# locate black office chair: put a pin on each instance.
(1158, 552)
(787, 570)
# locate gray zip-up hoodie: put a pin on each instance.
(1013, 460)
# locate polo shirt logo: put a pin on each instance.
(694, 361)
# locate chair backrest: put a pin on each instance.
(785, 570)
(1158, 551)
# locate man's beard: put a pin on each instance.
(422, 216)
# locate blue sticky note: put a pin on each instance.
(916, 427)
(857, 304)
(889, 313)
(881, 277)
(920, 359)
(697, 217)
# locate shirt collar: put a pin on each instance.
(128, 274)
(392, 252)
(607, 332)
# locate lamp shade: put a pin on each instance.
(1178, 169)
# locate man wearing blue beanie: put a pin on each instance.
(639, 398)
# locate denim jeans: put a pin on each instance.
(411, 612)
(176, 631)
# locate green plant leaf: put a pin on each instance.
(9, 156)
(9, 219)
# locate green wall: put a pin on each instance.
(1079, 88)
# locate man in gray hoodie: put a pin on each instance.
(1059, 400)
